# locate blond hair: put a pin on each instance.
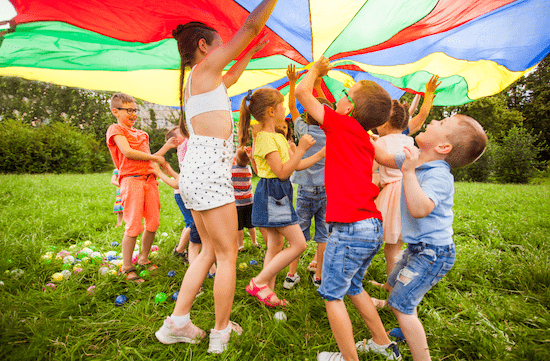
(119, 99)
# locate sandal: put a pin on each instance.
(149, 265)
(254, 290)
(131, 275)
(312, 267)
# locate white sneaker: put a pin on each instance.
(219, 340)
(291, 281)
(391, 351)
(316, 282)
(169, 333)
(330, 356)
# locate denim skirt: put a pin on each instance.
(272, 205)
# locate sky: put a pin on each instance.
(6, 12)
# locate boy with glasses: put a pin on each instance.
(129, 148)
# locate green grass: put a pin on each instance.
(493, 305)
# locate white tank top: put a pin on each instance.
(216, 99)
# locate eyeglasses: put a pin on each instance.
(350, 100)
(130, 110)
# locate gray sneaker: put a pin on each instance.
(169, 333)
(291, 281)
(330, 356)
(391, 351)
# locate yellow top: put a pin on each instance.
(266, 143)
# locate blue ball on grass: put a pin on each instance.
(121, 300)
(253, 262)
(175, 296)
(114, 244)
(171, 274)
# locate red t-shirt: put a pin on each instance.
(348, 170)
(138, 140)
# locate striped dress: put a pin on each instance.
(242, 182)
(117, 208)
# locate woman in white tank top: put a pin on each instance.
(206, 170)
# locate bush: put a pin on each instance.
(479, 171)
(52, 148)
(515, 156)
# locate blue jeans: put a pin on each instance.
(350, 250)
(421, 267)
(187, 216)
(312, 202)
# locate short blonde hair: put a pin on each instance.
(469, 143)
(118, 99)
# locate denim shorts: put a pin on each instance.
(188, 218)
(421, 267)
(350, 250)
(312, 202)
(272, 207)
(195, 238)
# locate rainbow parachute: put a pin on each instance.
(477, 47)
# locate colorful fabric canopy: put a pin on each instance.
(477, 47)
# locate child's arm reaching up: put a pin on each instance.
(292, 78)
(304, 90)
(416, 122)
(170, 144)
(284, 170)
(155, 169)
(419, 204)
(235, 72)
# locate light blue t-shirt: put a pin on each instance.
(314, 175)
(437, 182)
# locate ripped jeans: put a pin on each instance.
(421, 267)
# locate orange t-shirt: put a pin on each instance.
(138, 140)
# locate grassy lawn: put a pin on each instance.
(493, 305)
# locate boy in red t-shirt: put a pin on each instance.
(355, 221)
(129, 148)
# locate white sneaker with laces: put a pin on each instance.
(330, 356)
(316, 282)
(291, 281)
(391, 351)
(169, 333)
(219, 340)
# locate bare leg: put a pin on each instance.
(275, 244)
(184, 240)
(293, 268)
(194, 249)
(263, 232)
(128, 244)
(320, 254)
(342, 329)
(240, 238)
(391, 253)
(364, 305)
(146, 243)
(252, 233)
(414, 334)
(119, 219)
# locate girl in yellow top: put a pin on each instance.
(272, 207)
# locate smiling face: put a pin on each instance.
(124, 117)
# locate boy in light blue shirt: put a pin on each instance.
(427, 216)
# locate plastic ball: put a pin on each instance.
(95, 254)
(144, 273)
(160, 297)
(164, 234)
(17, 272)
(114, 244)
(171, 273)
(72, 247)
(85, 260)
(103, 270)
(116, 262)
(175, 296)
(134, 259)
(49, 286)
(1, 283)
(243, 266)
(253, 262)
(47, 255)
(87, 244)
(77, 269)
(81, 255)
(153, 254)
(90, 290)
(110, 253)
(112, 272)
(121, 300)
(97, 260)
(154, 248)
(63, 253)
(68, 259)
(66, 274)
(57, 277)
(280, 316)
(88, 250)
(66, 266)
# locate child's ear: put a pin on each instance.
(114, 111)
(444, 148)
(203, 45)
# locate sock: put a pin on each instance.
(181, 320)
(227, 329)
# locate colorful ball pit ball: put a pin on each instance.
(171, 273)
(121, 300)
(66, 274)
(253, 262)
(243, 266)
(63, 253)
(17, 272)
(77, 269)
(175, 296)
(144, 273)
(2, 283)
(68, 259)
(57, 277)
(164, 234)
(103, 270)
(49, 286)
(87, 244)
(154, 248)
(160, 297)
(90, 290)
(66, 266)
(114, 244)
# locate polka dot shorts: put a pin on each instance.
(205, 180)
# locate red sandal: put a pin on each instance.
(254, 290)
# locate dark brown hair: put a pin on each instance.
(257, 105)
(118, 99)
(309, 119)
(290, 130)
(399, 116)
(241, 158)
(188, 37)
(372, 104)
(170, 133)
(469, 143)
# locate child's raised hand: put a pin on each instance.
(291, 74)
(411, 153)
(432, 85)
(173, 142)
(321, 66)
(248, 151)
(260, 45)
(306, 142)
